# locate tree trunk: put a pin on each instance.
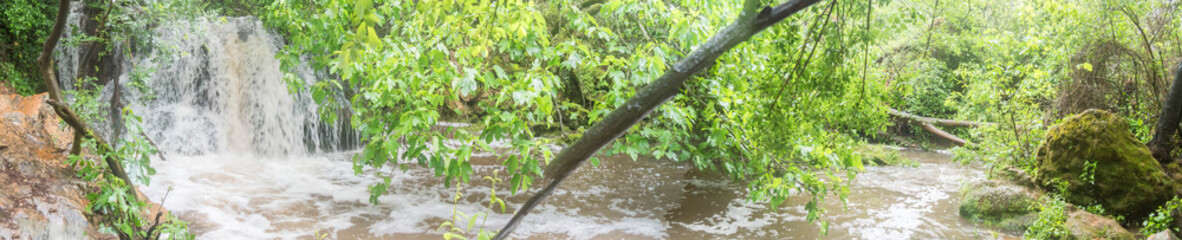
(752, 20)
(1167, 123)
(80, 127)
(936, 121)
(45, 62)
(115, 113)
(928, 125)
(941, 133)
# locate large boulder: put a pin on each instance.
(1163, 235)
(1001, 204)
(1100, 162)
(1085, 225)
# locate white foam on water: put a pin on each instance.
(742, 215)
(245, 162)
(247, 198)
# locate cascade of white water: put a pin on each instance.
(219, 89)
(68, 55)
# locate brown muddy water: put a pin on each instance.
(223, 109)
(233, 197)
(223, 112)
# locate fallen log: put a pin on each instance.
(929, 125)
(941, 133)
(936, 121)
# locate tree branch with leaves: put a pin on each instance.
(752, 20)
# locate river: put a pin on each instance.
(246, 159)
(233, 197)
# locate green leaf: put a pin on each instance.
(824, 227)
(611, 6)
(373, 38)
(361, 33)
(502, 204)
(472, 221)
(373, 19)
(573, 60)
(362, 7)
(857, 162)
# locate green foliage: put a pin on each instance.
(1024, 64)
(18, 80)
(451, 230)
(1052, 220)
(876, 155)
(778, 112)
(26, 24)
(236, 7)
(120, 213)
(1089, 172)
(127, 23)
(925, 92)
(1162, 219)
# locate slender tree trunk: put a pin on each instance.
(115, 113)
(81, 130)
(752, 20)
(45, 61)
(1167, 124)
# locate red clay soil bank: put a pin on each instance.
(40, 197)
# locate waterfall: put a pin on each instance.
(219, 90)
(67, 55)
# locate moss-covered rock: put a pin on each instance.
(1085, 225)
(1008, 206)
(1098, 160)
(878, 155)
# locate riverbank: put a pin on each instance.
(42, 198)
(620, 198)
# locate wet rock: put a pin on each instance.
(1163, 235)
(1016, 176)
(1085, 225)
(879, 155)
(1127, 180)
(41, 196)
(1174, 171)
(1001, 204)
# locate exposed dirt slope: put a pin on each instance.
(40, 196)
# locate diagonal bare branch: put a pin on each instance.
(752, 20)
